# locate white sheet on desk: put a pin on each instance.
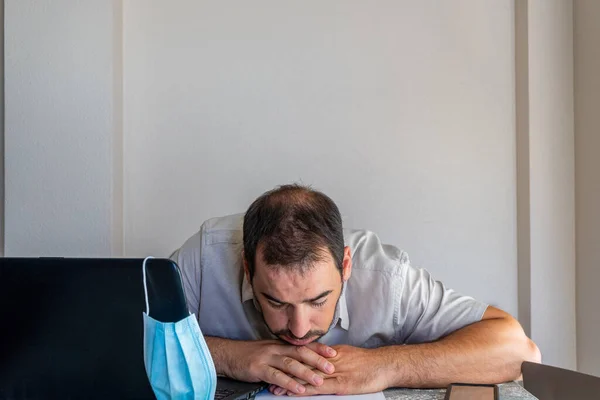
(266, 395)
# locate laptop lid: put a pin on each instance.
(553, 383)
(73, 328)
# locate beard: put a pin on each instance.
(315, 335)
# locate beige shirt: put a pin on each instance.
(386, 300)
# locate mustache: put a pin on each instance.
(309, 334)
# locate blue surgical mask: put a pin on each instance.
(177, 359)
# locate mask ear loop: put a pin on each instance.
(145, 285)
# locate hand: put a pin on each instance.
(283, 365)
(357, 371)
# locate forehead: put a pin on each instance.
(282, 279)
(324, 266)
(296, 274)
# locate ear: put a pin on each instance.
(347, 264)
(246, 268)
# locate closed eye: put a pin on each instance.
(319, 304)
(276, 305)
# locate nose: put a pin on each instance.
(299, 322)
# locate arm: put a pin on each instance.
(489, 351)
(271, 361)
(454, 337)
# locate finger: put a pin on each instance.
(310, 358)
(281, 379)
(278, 391)
(322, 349)
(328, 387)
(297, 369)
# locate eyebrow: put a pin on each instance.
(326, 293)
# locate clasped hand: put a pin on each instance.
(356, 371)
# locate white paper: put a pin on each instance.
(266, 395)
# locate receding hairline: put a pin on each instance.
(292, 195)
(282, 223)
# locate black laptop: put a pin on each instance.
(552, 383)
(73, 328)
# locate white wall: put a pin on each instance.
(403, 112)
(59, 127)
(552, 180)
(587, 168)
(545, 161)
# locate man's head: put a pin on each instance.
(295, 259)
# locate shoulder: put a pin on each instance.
(222, 244)
(227, 229)
(369, 253)
(220, 230)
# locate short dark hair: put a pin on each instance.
(295, 226)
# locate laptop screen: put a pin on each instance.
(72, 328)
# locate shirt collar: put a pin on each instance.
(248, 294)
(341, 310)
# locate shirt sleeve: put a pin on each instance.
(428, 311)
(188, 257)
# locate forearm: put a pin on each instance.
(489, 351)
(223, 353)
(270, 361)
